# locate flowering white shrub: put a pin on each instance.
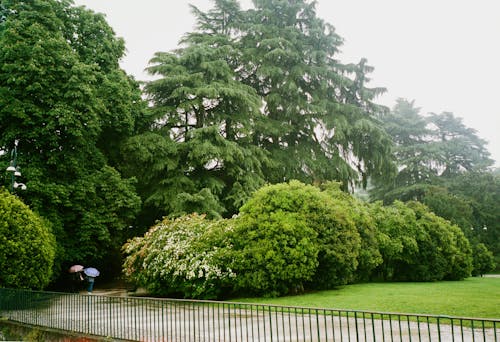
(182, 257)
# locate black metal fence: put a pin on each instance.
(152, 319)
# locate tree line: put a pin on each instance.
(250, 97)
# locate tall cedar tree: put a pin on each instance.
(320, 121)
(207, 117)
(257, 96)
(428, 150)
(412, 151)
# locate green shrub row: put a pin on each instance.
(293, 237)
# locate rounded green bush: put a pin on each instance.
(291, 236)
(27, 245)
(483, 259)
(418, 245)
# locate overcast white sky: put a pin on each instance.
(444, 54)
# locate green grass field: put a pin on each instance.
(473, 297)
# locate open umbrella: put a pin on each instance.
(91, 272)
(75, 268)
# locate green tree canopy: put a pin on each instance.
(255, 96)
(209, 115)
(360, 213)
(428, 150)
(444, 251)
(275, 246)
(460, 149)
(287, 238)
(64, 97)
(482, 191)
(320, 120)
(412, 150)
(484, 261)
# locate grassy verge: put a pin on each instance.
(473, 297)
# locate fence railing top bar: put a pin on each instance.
(260, 305)
(381, 313)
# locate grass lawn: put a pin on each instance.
(473, 297)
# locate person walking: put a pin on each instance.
(90, 286)
(76, 279)
(90, 275)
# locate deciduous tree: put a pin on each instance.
(60, 89)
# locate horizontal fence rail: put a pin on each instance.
(153, 319)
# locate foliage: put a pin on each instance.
(460, 148)
(428, 149)
(28, 245)
(287, 237)
(206, 116)
(255, 96)
(63, 96)
(445, 253)
(482, 191)
(453, 207)
(445, 165)
(409, 133)
(417, 245)
(317, 110)
(252, 96)
(292, 236)
(275, 249)
(185, 257)
(397, 239)
(471, 201)
(359, 212)
(274, 254)
(483, 260)
(107, 203)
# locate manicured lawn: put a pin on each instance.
(473, 297)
